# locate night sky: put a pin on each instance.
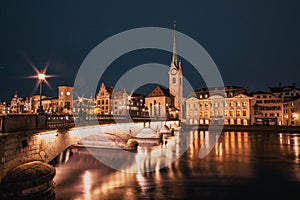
(254, 43)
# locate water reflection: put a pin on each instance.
(87, 182)
(237, 165)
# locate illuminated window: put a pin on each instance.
(68, 93)
(232, 121)
(61, 93)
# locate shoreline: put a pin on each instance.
(248, 128)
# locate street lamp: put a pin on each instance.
(41, 78)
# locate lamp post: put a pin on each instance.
(41, 78)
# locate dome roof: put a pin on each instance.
(146, 133)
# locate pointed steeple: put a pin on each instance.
(175, 59)
(102, 85)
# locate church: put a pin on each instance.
(163, 103)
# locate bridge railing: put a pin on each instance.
(23, 122)
(60, 121)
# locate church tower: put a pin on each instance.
(175, 78)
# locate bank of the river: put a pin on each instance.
(249, 128)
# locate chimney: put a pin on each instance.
(279, 84)
(294, 84)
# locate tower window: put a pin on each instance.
(174, 80)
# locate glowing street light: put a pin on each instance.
(41, 77)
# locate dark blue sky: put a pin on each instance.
(254, 43)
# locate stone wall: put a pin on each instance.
(21, 122)
(16, 149)
(19, 148)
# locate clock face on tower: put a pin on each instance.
(173, 71)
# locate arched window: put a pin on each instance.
(174, 80)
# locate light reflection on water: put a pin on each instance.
(239, 164)
(87, 181)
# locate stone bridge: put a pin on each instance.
(17, 148)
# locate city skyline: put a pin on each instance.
(254, 47)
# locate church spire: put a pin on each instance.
(16, 94)
(175, 60)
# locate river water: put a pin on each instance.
(242, 165)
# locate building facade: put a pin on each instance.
(137, 105)
(266, 109)
(159, 103)
(65, 99)
(83, 108)
(291, 112)
(120, 102)
(103, 100)
(128, 104)
(230, 105)
(17, 104)
(286, 93)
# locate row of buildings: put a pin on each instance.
(236, 106)
(62, 104)
(229, 105)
